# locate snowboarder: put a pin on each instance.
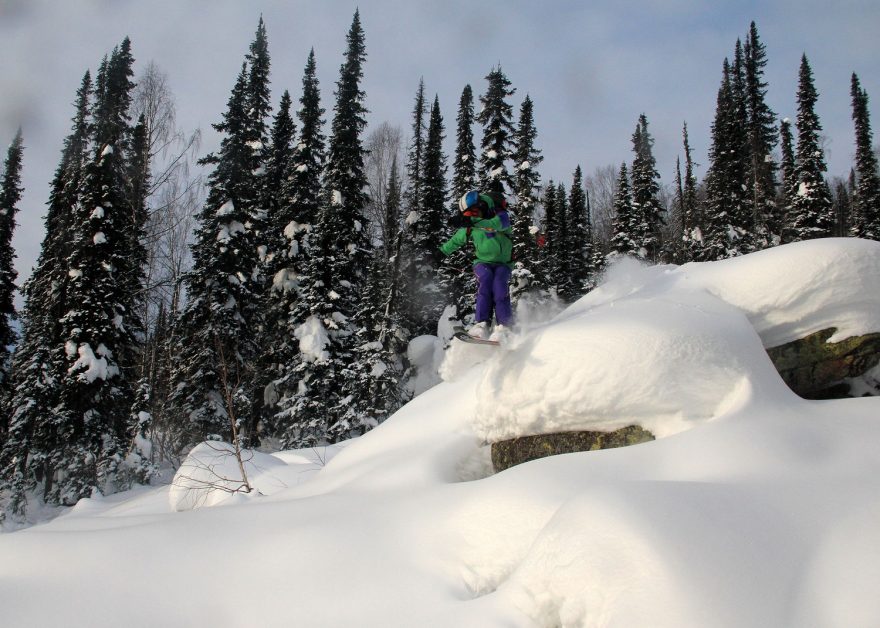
(484, 220)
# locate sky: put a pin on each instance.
(591, 68)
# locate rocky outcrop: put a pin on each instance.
(816, 369)
(508, 453)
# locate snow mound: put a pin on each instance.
(843, 575)
(210, 475)
(461, 357)
(626, 356)
(615, 554)
(794, 290)
(668, 347)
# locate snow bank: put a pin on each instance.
(641, 350)
(210, 475)
(794, 290)
(667, 348)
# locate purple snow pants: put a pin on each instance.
(493, 293)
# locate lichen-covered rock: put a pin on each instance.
(508, 453)
(816, 369)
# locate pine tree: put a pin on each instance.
(279, 170)
(548, 225)
(280, 213)
(456, 271)
(268, 159)
(277, 350)
(739, 92)
(301, 189)
(346, 176)
(416, 152)
(338, 269)
(645, 191)
(138, 466)
(545, 270)
(562, 271)
(811, 205)
(852, 217)
(10, 195)
(410, 254)
(310, 152)
(789, 181)
(626, 221)
(38, 363)
(426, 292)
(496, 117)
(867, 192)
(304, 193)
(137, 181)
(215, 376)
(580, 245)
(435, 191)
(762, 139)
(597, 257)
(257, 107)
(562, 276)
(728, 220)
(465, 165)
(96, 393)
(526, 188)
(344, 183)
(691, 221)
(375, 376)
(677, 247)
(393, 242)
(745, 217)
(842, 208)
(431, 226)
(412, 271)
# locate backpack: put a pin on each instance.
(499, 202)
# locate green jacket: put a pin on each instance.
(491, 238)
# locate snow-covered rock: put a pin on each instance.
(634, 360)
(648, 334)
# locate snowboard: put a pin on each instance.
(461, 334)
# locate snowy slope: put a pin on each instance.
(754, 508)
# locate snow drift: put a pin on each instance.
(667, 347)
(758, 508)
